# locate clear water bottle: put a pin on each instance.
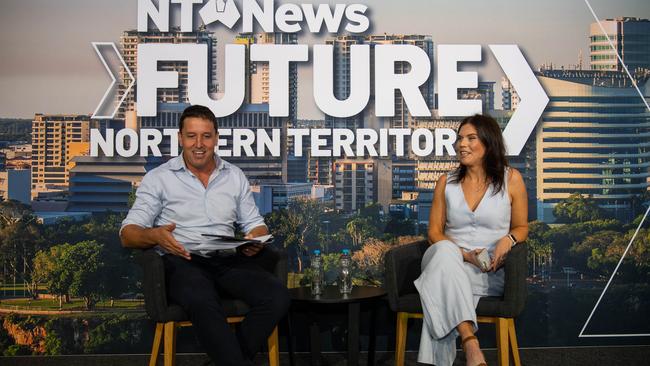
(345, 279)
(317, 273)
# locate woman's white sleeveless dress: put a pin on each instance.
(450, 288)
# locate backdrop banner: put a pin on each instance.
(343, 116)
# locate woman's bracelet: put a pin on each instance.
(512, 239)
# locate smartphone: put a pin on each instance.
(484, 259)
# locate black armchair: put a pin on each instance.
(402, 267)
(169, 316)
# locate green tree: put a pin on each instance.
(20, 239)
(577, 208)
(563, 237)
(605, 256)
(640, 203)
(297, 225)
(112, 333)
(78, 270)
(53, 344)
(373, 212)
(103, 229)
(398, 226)
(12, 211)
(18, 350)
(5, 339)
(539, 250)
(89, 277)
(52, 267)
(359, 229)
(119, 263)
(593, 245)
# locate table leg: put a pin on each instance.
(314, 339)
(371, 336)
(353, 333)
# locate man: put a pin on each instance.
(198, 193)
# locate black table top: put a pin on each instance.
(332, 295)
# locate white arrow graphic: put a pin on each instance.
(533, 98)
(96, 46)
(222, 10)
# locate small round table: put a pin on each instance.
(332, 295)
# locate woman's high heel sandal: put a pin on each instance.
(467, 339)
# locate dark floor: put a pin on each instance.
(628, 355)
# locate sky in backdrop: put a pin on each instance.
(47, 63)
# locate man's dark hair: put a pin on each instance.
(198, 111)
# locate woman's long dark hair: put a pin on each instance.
(494, 161)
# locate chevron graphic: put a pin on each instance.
(96, 46)
(533, 97)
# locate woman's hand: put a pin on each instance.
(472, 257)
(500, 253)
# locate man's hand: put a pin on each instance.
(163, 236)
(250, 250)
(500, 253)
(472, 257)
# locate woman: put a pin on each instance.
(481, 205)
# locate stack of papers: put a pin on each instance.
(220, 242)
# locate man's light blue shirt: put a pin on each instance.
(171, 193)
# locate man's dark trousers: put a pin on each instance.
(197, 285)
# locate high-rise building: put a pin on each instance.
(359, 183)
(320, 169)
(484, 92)
(509, 97)
(342, 46)
(429, 169)
(404, 176)
(631, 40)
(129, 49)
(257, 74)
(258, 89)
(297, 169)
(56, 139)
(593, 140)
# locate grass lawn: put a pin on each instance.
(53, 304)
(19, 287)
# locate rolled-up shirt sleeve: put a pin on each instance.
(147, 205)
(248, 215)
